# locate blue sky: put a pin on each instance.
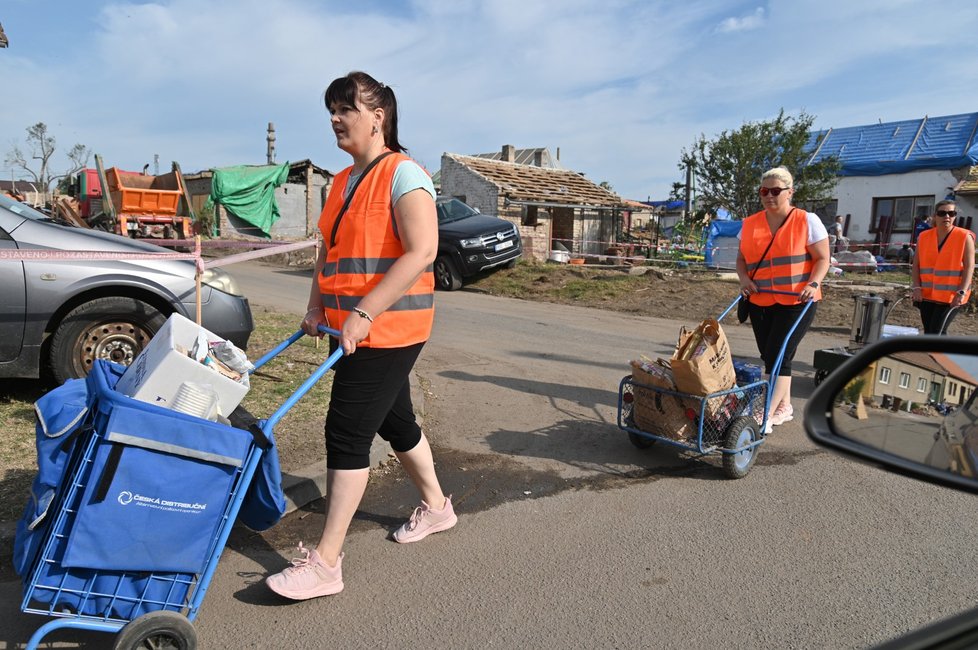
(619, 86)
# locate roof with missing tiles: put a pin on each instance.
(539, 184)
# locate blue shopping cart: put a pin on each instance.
(142, 513)
(728, 422)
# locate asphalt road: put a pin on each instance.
(569, 537)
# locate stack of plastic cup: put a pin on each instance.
(199, 400)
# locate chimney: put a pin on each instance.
(538, 158)
(509, 153)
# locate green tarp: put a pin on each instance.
(248, 192)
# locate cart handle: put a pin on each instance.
(741, 297)
(274, 352)
(269, 425)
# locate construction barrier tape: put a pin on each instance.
(29, 254)
(38, 254)
(243, 257)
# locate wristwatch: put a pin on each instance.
(813, 284)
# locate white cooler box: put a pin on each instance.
(156, 374)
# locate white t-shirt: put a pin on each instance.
(816, 229)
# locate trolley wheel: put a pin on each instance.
(820, 376)
(641, 442)
(161, 630)
(742, 431)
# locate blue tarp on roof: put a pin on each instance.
(943, 142)
(668, 205)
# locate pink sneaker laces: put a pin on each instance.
(300, 564)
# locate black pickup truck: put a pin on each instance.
(470, 242)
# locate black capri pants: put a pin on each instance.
(371, 395)
(936, 316)
(771, 325)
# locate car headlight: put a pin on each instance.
(220, 280)
(475, 242)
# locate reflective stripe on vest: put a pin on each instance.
(940, 271)
(366, 248)
(787, 265)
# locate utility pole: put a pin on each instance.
(270, 154)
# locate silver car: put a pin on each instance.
(62, 315)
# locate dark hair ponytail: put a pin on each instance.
(372, 94)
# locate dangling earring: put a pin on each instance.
(374, 132)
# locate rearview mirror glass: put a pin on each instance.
(909, 403)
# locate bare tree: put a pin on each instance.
(41, 146)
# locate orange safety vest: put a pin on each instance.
(366, 246)
(941, 270)
(787, 265)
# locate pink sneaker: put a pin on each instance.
(308, 577)
(784, 413)
(425, 521)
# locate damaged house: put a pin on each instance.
(553, 208)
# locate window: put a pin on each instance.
(884, 375)
(904, 380)
(952, 389)
(530, 215)
(899, 213)
(921, 385)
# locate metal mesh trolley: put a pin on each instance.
(729, 422)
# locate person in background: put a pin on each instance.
(923, 223)
(373, 281)
(786, 249)
(841, 241)
(942, 269)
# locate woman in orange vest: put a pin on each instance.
(783, 249)
(942, 269)
(373, 281)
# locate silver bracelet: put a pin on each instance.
(362, 314)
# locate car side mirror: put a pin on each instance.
(907, 404)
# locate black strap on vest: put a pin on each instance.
(764, 254)
(349, 197)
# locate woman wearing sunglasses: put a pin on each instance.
(942, 269)
(783, 257)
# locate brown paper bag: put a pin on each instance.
(702, 363)
(657, 412)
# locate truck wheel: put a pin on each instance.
(162, 629)
(115, 329)
(447, 276)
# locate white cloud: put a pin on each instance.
(744, 24)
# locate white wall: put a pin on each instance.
(855, 195)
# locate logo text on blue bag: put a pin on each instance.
(126, 497)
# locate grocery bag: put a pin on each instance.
(702, 363)
(655, 411)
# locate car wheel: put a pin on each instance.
(446, 275)
(115, 329)
(511, 264)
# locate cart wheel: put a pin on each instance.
(742, 431)
(158, 631)
(640, 442)
(820, 375)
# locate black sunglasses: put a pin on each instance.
(947, 213)
(773, 191)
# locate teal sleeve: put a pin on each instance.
(409, 176)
